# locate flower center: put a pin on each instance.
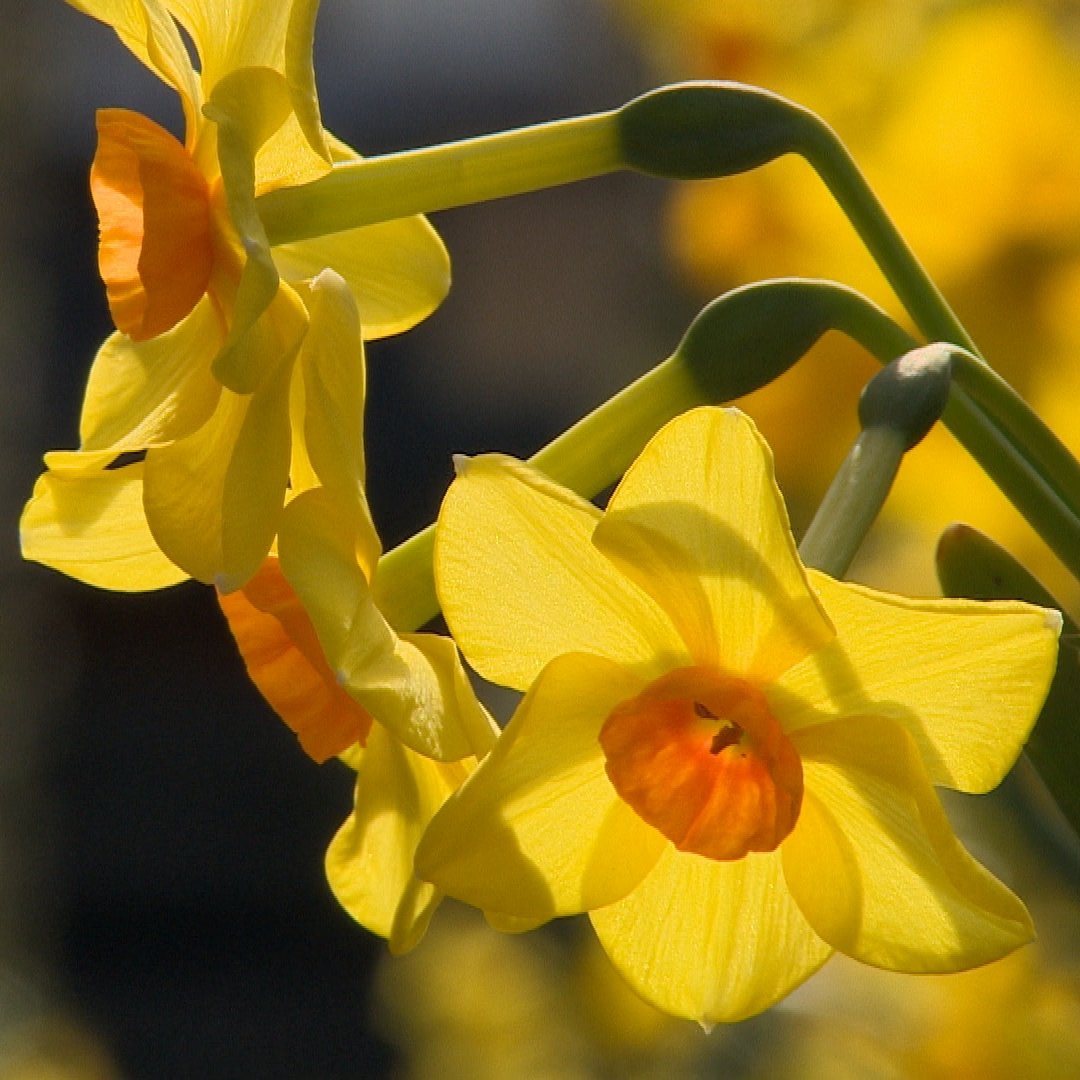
(153, 205)
(701, 758)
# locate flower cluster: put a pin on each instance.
(727, 759)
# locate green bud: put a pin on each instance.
(703, 130)
(749, 336)
(910, 394)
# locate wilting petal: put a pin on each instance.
(538, 830)
(712, 941)
(966, 679)
(152, 392)
(369, 863)
(282, 655)
(399, 271)
(520, 584)
(92, 527)
(332, 369)
(699, 523)
(875, 866)
(148, 30)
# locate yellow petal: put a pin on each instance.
(92, 527)
(300, 74)
(520, 583)
(711, 941)
(267, 322)
(369, 863)
(332, 367)
(874, 865)
(966, 679)
(152, 392)
(698, 522)
(214, 499)
(254, 489)
(147, 29)
(325, 544)
(415, 686)
(399, 271)
(241, 33)
(538, 830)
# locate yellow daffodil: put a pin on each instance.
(369, 864)
(205, 373)
(726, 759)
(397, 708)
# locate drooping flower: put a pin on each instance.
(396, 707)
(369, 863)
(205, 372)
(726, 759)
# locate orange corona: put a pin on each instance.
(156, 252)
(700, 757)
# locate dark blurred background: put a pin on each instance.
(163, 911)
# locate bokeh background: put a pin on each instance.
(163, 911)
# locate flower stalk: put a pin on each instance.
(896, 410)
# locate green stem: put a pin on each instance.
(914, 287)
(853, 501)
(371, 190)
(896, 409)
(688, 130)
(1024, 427)
(1016, 476)
(587, 458)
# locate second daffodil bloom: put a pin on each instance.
(395, 706)
(726, 759)
(203, 373)
(399, 785)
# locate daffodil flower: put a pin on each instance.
(204, 373)
(726, 759)
(369, 863)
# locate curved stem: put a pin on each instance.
(831, 160)
(586, 458)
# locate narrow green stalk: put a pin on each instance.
(691, 130)
(1025, 428)
(476, 170)
(830, 159)
(852, 503)
(1017, 477)
(896, 410)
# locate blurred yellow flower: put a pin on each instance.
(965, 119)
(205, 373)
(726, 759)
